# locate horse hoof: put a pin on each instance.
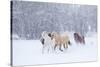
(61, 50)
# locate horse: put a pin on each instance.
(60, 40)
(79, 38)
(46, 41)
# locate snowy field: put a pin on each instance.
(29, 52)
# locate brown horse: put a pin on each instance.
(79, 38)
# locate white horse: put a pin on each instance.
(47, 42)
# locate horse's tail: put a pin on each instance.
(69, 43)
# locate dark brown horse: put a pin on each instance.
(79, 38)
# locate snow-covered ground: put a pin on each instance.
(29, 52)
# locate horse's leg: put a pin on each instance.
(55, 46)
(83, 40)
(64, 45)
(48, 50)
(60, 48)
(43, 49)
